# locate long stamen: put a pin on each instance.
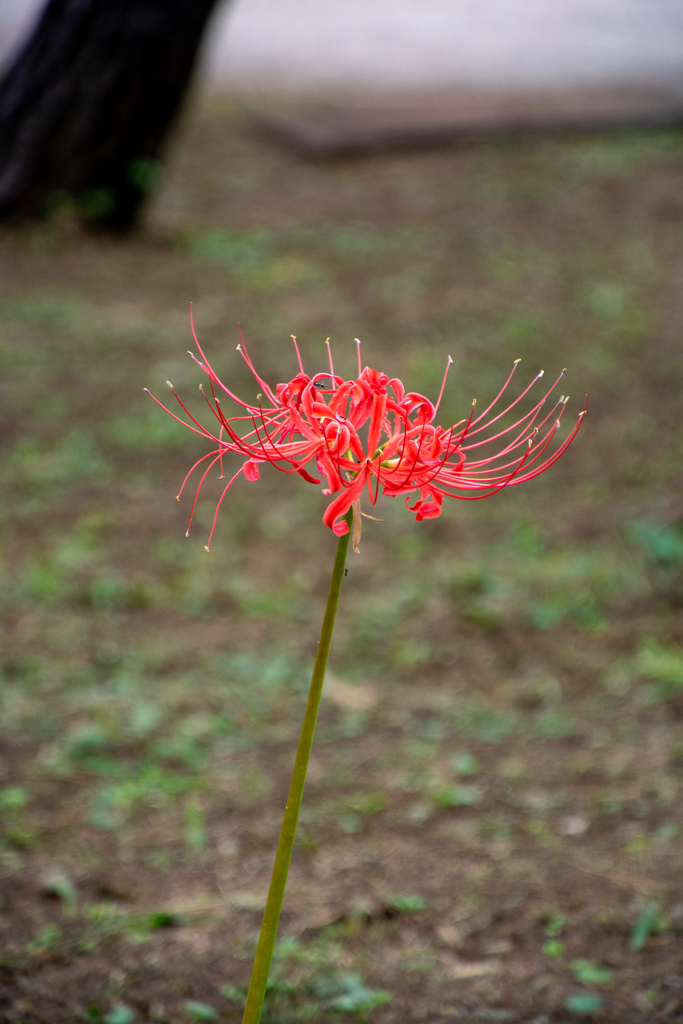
(296, 349)
(358, 351)
(188, 475)
(443, 384)
(278, 451)
(206, 399)
(215, 515)
(242, 349)
(510, 376)
(485, 426)
(560, 451)
(214, 377)
(206, 367)
(467, 425)
(196, 496)
(329, 354)
(521, 436)
(441, 465)
(220, 448)
(273, 461)
(184, 407)
(203, 431)
(498, 487)
(417, 455)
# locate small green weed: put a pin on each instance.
(48, 940)
(60, 885)
(665, 666)
(650, 921)
(357, 999)
(307, 978)
(406, 903)
(587, 973)
(195, 824)
(104, 922)
(553, 947)
(465, 764)
(120, 1014)
(555, 924)
(199, 1011)
(457, 796)
(478, 718)
(13, 799)
(242, 252)
(584, 1003)
(664, 544)
(150, 785)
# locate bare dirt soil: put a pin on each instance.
(492, 827)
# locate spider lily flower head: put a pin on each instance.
(370, 434)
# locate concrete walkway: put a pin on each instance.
(312, 45)
(446, 43)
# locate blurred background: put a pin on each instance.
(492, 823)
(263, 45)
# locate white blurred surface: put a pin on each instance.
(309, 44)
(17, 18)
(426, 43)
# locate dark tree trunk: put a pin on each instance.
(86, 106)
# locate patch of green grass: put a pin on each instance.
(621, 155)
(144, 429)
(74, 458)
(104, 922)
(480, 719)
(150, 785)
(240, 251)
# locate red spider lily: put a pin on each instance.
(369, 432)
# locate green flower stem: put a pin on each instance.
(271, 916)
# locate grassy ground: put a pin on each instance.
(491, 827)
